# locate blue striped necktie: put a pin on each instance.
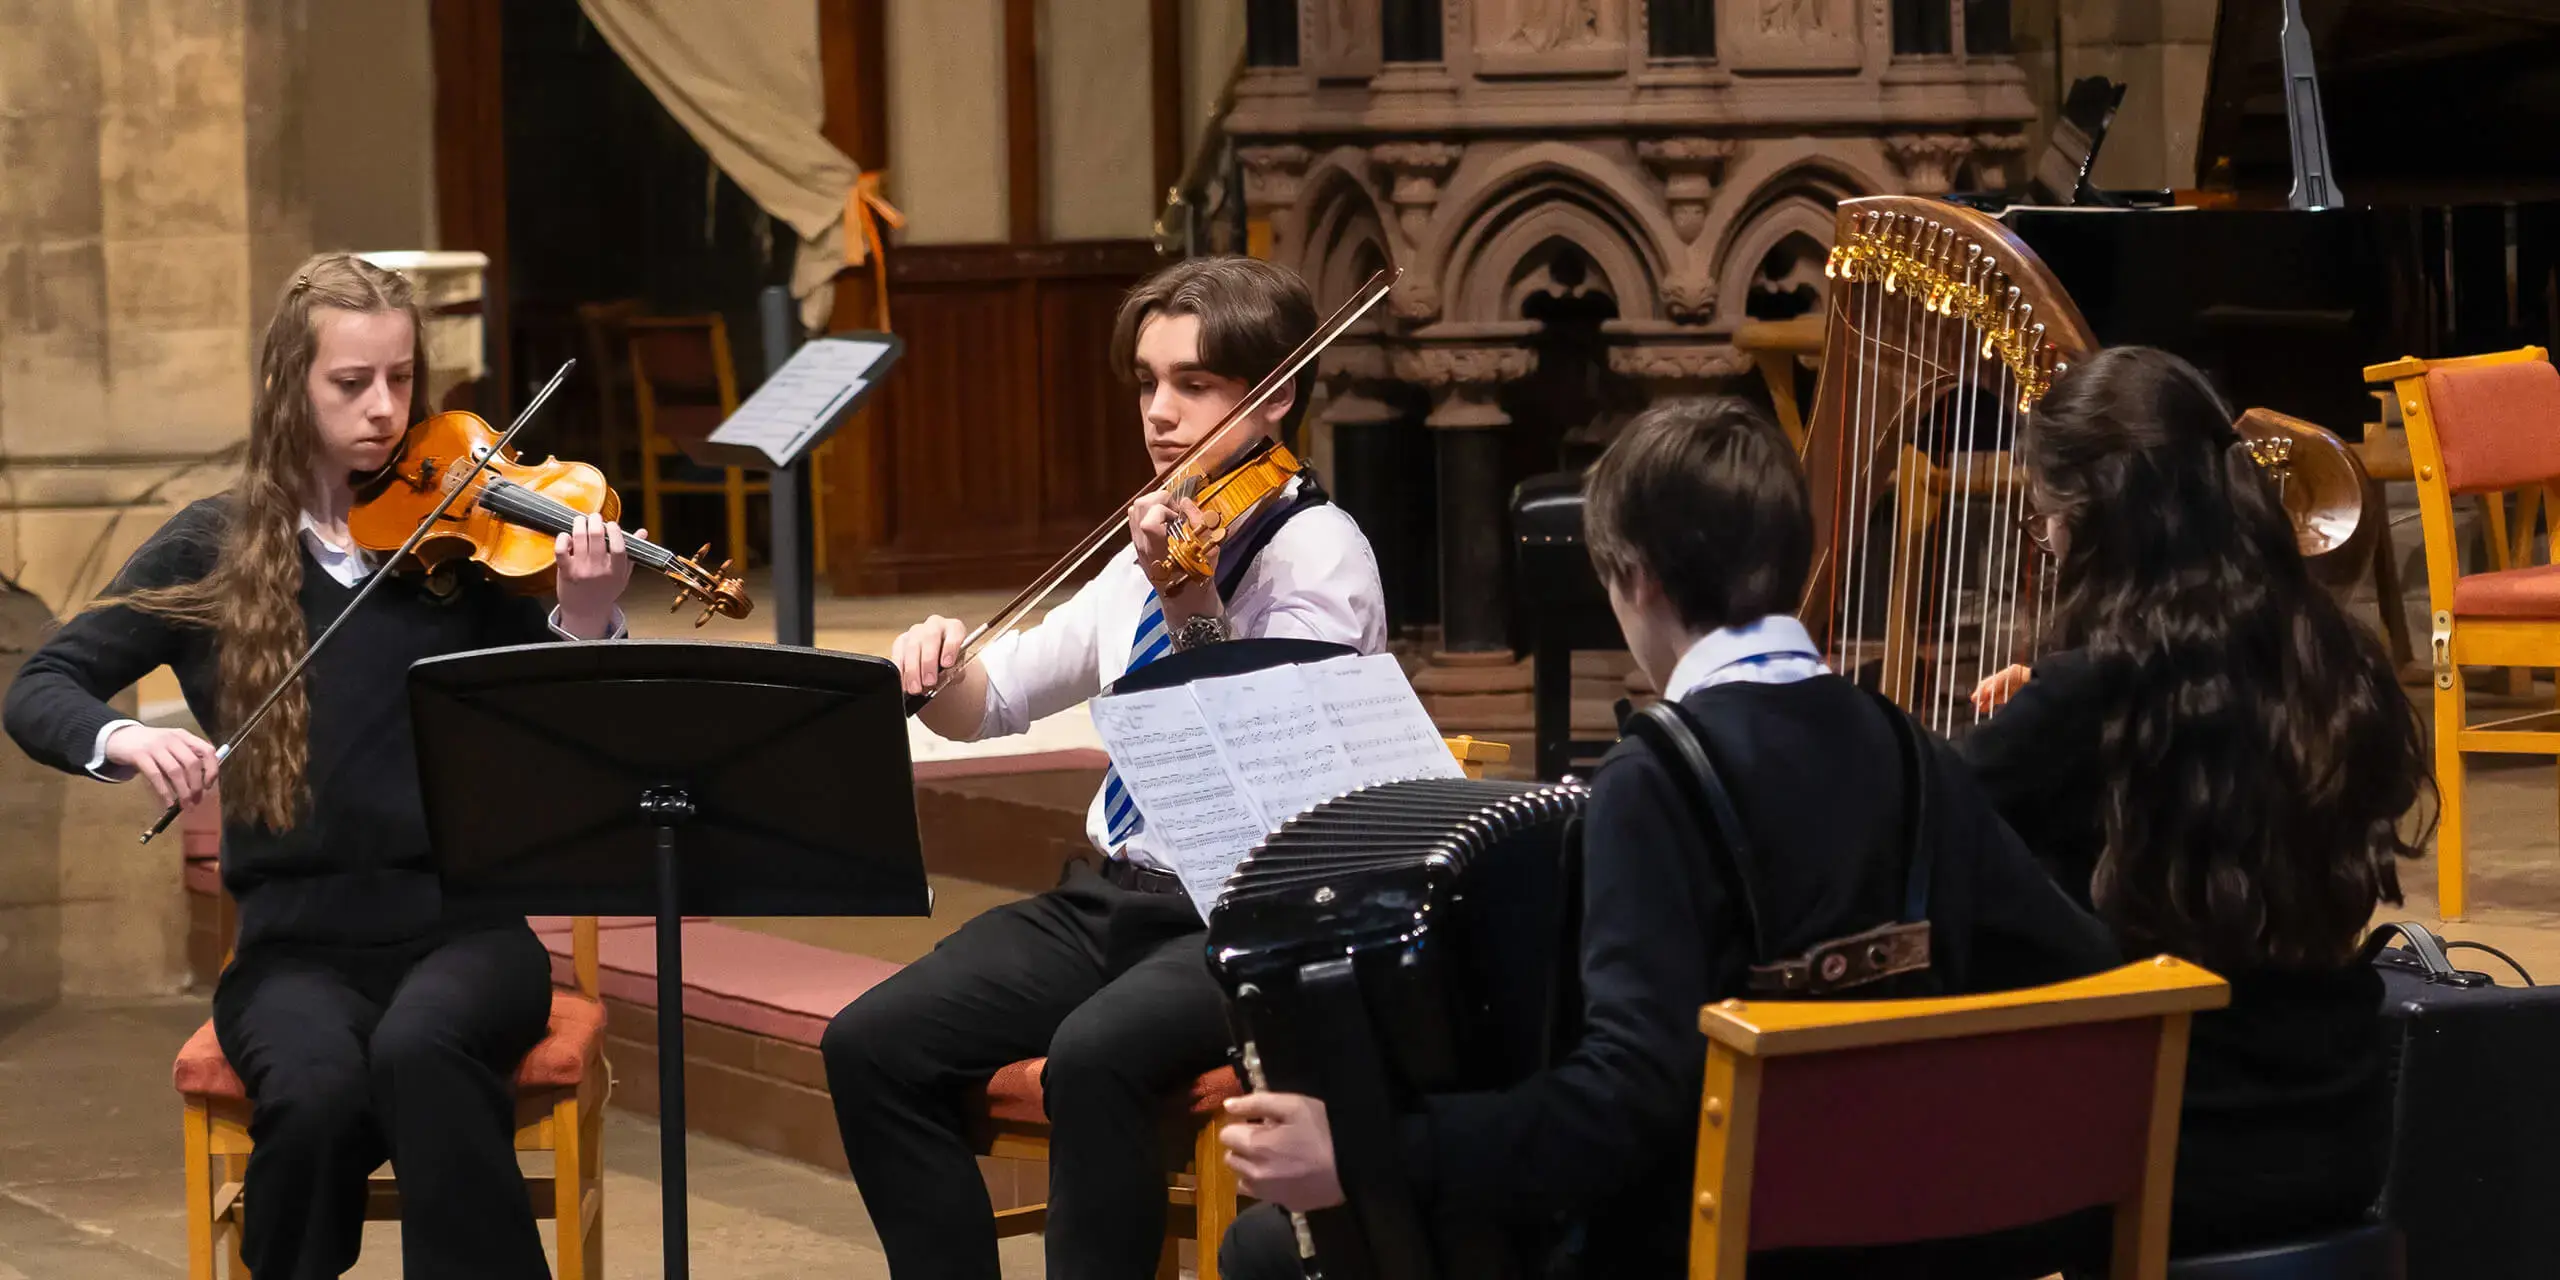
(1120, 818)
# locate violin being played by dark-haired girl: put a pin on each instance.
(366, 1020)
(2218, 760)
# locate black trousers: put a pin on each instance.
(1262, 1244)
(1114, 987)
(408, 1053)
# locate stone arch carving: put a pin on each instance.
(1347, 234)
(1773, 218)
(1496, 222)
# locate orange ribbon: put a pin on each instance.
(864, 210)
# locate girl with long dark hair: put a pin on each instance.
(366, 1020)
(2220, 762)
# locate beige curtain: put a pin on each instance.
(742, 77)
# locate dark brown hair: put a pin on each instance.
(1707, 496)
(1252, 315)
(251, 600)
(2259, 753)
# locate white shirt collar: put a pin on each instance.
(1778, 645)
(348, 564)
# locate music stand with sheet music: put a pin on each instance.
(810, 389)
(668, 778)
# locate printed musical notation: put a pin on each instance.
(1218, 764)
(1277, 740)
(800, 400)
(1170, 764)
(1386, 736)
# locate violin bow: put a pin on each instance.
(416, 536)
(1010, 616)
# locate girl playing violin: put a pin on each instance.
(366, 1020)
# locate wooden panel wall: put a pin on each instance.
(471, 172)
(1005, 435)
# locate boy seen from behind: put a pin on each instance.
(1697, 519)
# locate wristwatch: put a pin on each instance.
(1199, 630)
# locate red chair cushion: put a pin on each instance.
(574, 1039)
(2498, 425)
(1013, 1095)
(2531, 592)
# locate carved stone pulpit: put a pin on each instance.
(1588, 198)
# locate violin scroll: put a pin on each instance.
(719, 590)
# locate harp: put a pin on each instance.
(1943, 331)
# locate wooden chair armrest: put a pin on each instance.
(1475, 753)
(2412, 366)
(2148, 988)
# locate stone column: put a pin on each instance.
(1271, 178)
(152, 202)
(1473, 679)
(1380, 473)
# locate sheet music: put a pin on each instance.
(1168, 759)
(1385, 734)
(804, 396)
(1277, 741)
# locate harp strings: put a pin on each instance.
(1933, 404)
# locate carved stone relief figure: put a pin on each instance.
(1554, 24)
(1342, 41)
(1789, 35)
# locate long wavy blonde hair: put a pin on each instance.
(252, 599)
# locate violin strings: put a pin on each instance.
(542, 511)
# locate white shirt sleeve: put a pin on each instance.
(1042, 671)
(613, 630)
(98, 766)
(1317, 580)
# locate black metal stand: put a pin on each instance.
(670, 807)
(794, 524)
(786, 768)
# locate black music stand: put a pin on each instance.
(556, 777)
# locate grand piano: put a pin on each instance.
(2441, 236)
(2443, 228)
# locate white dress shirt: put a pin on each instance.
(349, 565)
(1774, 650)
(1316, 580)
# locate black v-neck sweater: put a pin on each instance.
(355, 870)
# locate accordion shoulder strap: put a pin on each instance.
(1665, 726)
(1854, 960)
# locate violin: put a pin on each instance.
(510, 516)
(1226, 500)
(1230, 468)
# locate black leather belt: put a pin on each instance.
(1137, 879)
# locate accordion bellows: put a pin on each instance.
(1410, 938)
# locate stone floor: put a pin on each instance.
(90, 1172)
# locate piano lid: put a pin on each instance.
(2428, 101)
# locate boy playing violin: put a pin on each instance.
(1106, 975)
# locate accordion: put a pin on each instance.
(1411, 938)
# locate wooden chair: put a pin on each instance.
(2480, 425)
(2384, 451)
(684, 384)
(1777, 348)
(560, 1097)
(1841, 1124)
(1014, 1123)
